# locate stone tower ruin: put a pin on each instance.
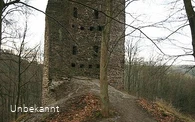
(72, 41)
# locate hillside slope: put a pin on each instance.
(125, 105)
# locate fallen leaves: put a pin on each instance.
(159, 113)
(81, 109)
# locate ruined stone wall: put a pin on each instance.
(116, 64)
(72, 42)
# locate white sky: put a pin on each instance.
(37, 21)
(154, 11)
(148, 12)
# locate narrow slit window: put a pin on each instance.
(74, 50)
(75, 12)
(95, 50)
(96, 14)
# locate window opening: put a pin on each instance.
(90, 66)
(74, 50)
(96, 50)
(73, 65)
(91, 28)
(82, 28)
(97, 66)
(96, 14)
(100, 28)
(75, 12)
(82, 65)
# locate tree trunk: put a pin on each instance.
(104, 62)
(191, 18)
(18, 86)
(1, 12)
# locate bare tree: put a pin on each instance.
(132, 53)
(3, 6)
(104, 61)
(23, 76)
(191, 18)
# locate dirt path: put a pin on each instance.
(124, 104)
(127, 107)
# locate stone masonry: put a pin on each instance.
(72, 42)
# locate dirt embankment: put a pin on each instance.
(77, 89)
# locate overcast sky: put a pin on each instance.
(154, 11)
(37, 21)
(147, 11)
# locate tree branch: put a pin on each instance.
(11, 3)
(50, 18)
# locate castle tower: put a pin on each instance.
(72, 41)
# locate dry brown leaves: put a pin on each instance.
(81, 109)
(160, 114)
